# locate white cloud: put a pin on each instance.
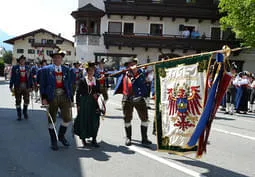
(22, 16)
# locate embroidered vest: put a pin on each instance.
(59, 79)
(23, 77)
(127, 86)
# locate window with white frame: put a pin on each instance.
(30, 51)
(114, 27)
(20, 50)
(31, 40)
(48, 52)
(128, 28)
(156, 29)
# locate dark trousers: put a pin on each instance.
(103, 90)
(64, 104)
(252, 96)
(19, 93)
(231, 94)
(128, 106)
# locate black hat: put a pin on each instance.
(103, 60)
(78, 62)
(58, 52)
(21, 57)
(244, 73)
(91, 64)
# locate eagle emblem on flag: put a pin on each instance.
(184, 106)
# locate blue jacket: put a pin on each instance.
(73, 75)
(34, 71)
(48, 82)
(138, 84)
(98, 76)
(15, 77)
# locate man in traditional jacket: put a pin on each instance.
(132, 85)
(76, 75)
(101, 74)
(231, 92)
(21, 85)
(242, 83)
(56, 92)
(252, 96)
(34, 71)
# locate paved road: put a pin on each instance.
(25, 152)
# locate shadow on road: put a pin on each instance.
(249, 115)
(25, 148)
(223, 118)
(100, 154)
(3, 82)
(213, 170)
(114, 117)
(152, 147)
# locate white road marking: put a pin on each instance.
(235, 134)
(166, 162)
(215, 129)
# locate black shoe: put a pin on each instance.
(61, 136)
(95, 144)
(25, 112)
(54, 146)
(128, 134)
(64, 141)
(231, 113)
(53, 138)
(18, 113)
(145, 140)
(226, 112)
(128, 142)
(222, 109)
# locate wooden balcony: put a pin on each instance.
(165, 42)
(48, 45)
(176, 9)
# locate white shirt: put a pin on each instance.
(186, 33)
(22, 68)
(58, 68)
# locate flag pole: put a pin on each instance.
(180, 58)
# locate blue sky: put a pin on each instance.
(22, 16)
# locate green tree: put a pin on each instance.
(240, 16)
(7, 57)
(1, 67)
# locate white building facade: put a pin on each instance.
(39, 44)
(148, 30)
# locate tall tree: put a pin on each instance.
(240, 16)
(7, 57)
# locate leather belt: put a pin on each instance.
(59, 92)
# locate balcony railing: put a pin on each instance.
(44, 45)
(200, 11)
(165, 41)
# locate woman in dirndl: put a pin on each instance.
(86, 124)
